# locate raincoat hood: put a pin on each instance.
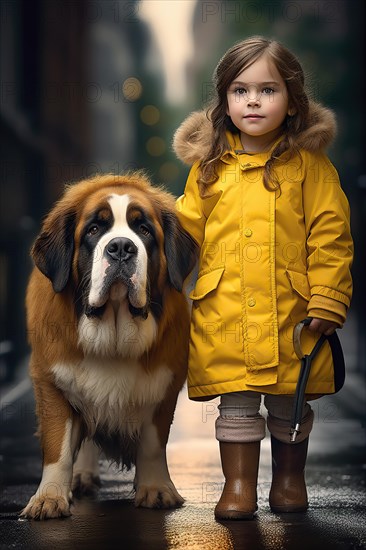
(194, 137)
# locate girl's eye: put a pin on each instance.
(93, 230)
(240, 91)
(267, 91)
(144, 230)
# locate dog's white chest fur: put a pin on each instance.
(114, 395)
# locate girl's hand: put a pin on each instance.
(323, 326)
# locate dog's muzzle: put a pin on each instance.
(121, 267)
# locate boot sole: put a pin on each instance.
(288, 509)
(236, 515)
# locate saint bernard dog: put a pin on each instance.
(108, 325)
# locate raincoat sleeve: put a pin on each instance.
(329, 241)
(189, 208)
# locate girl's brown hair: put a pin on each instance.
(235, 60)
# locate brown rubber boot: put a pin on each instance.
(288, 491)
(240, 468)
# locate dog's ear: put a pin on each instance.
(181, 250)
(53, 249)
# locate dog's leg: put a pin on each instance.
(86, 480)
(154, 488)
(59, 430)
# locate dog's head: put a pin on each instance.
(115, 238)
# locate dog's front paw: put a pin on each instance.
(85, 484)
(164, 496)
(46, 508)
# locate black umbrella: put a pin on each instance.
(306, 360)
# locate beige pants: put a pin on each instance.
(240, 421)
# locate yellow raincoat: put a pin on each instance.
(267, 260)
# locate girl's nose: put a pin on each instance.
(253, 102)
(253, 96)
(253, 99)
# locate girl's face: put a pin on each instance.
(258, 104)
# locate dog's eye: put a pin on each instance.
(93, 230)
(144, 230)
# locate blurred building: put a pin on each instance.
(69, 86)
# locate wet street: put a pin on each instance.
(335, 476)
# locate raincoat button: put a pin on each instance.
(251, 302)
(248, 232)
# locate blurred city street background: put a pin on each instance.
(91, 86)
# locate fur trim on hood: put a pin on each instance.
(193, 138)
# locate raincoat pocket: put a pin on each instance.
(299, 283)
(206, 283)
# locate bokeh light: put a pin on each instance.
(155, 146)
(132, 89)
(150, 115)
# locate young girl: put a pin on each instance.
(265, 205)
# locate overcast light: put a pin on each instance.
(171, 27)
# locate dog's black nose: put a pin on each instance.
(121, 249)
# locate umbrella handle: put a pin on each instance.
(299, 398)
(306, 361)
(296, 338)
